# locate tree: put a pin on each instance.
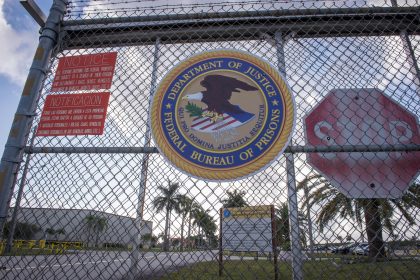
(234, 199)
(49, 231)
(185, 207)
(377, 213)
(22, 230)
(305, 185)
(195, 208)
(168, 201)
(199, 216)
(206, 226)
(101, 225)
(97, 225)
(148, 237)
(283, 226)
(54, 232)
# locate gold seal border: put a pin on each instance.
(231, 173)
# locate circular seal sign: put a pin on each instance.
(222, 115)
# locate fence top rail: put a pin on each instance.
(187, 28)
(242, 15)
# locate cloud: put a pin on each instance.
(16, 50)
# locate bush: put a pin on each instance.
(115, 245)
(24, 231)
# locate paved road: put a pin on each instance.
(97, 265)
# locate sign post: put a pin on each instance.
(221, 246)
(274, 240)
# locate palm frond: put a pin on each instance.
(358, 208)
(321, 194)
(328, 212)
(405, 213)
(411, 197)
(304, 183)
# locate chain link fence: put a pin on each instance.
(111, 207)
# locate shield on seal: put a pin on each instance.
(225, 122)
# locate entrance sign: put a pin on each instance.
(85, 72)
(222, 115)
(74, 114)
(364, 117)
(247, 229)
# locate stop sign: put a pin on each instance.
(363, 117)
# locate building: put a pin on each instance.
(78, 225)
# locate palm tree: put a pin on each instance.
(101, 225)
(168, 201)
(149, 239)
(96, 224)
(54, 232)
(234, 199)
(204, 222)
(198, 215)
(90, 221)
(377, 212)
(49, 231)
(209, 228)
(195, 208)
(283, 226)
(310, 182)
(185, 207)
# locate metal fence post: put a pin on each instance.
(9, 243)
(309, 218)
(408, 48)
(414, 68)
(297, 258)
(134, 256)
(19, 132)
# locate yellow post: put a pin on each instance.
(31, 244)
(2, 247)
(42, 243)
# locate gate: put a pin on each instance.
(111, 207)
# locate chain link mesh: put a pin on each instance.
(87, 204)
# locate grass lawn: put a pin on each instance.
(262, 269)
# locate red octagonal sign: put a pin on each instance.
(364, 117)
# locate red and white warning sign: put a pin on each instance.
(74, 114)
(85, 72)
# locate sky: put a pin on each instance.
(19, 33)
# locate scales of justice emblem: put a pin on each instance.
(222, 115)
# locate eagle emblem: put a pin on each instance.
(220, 114)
